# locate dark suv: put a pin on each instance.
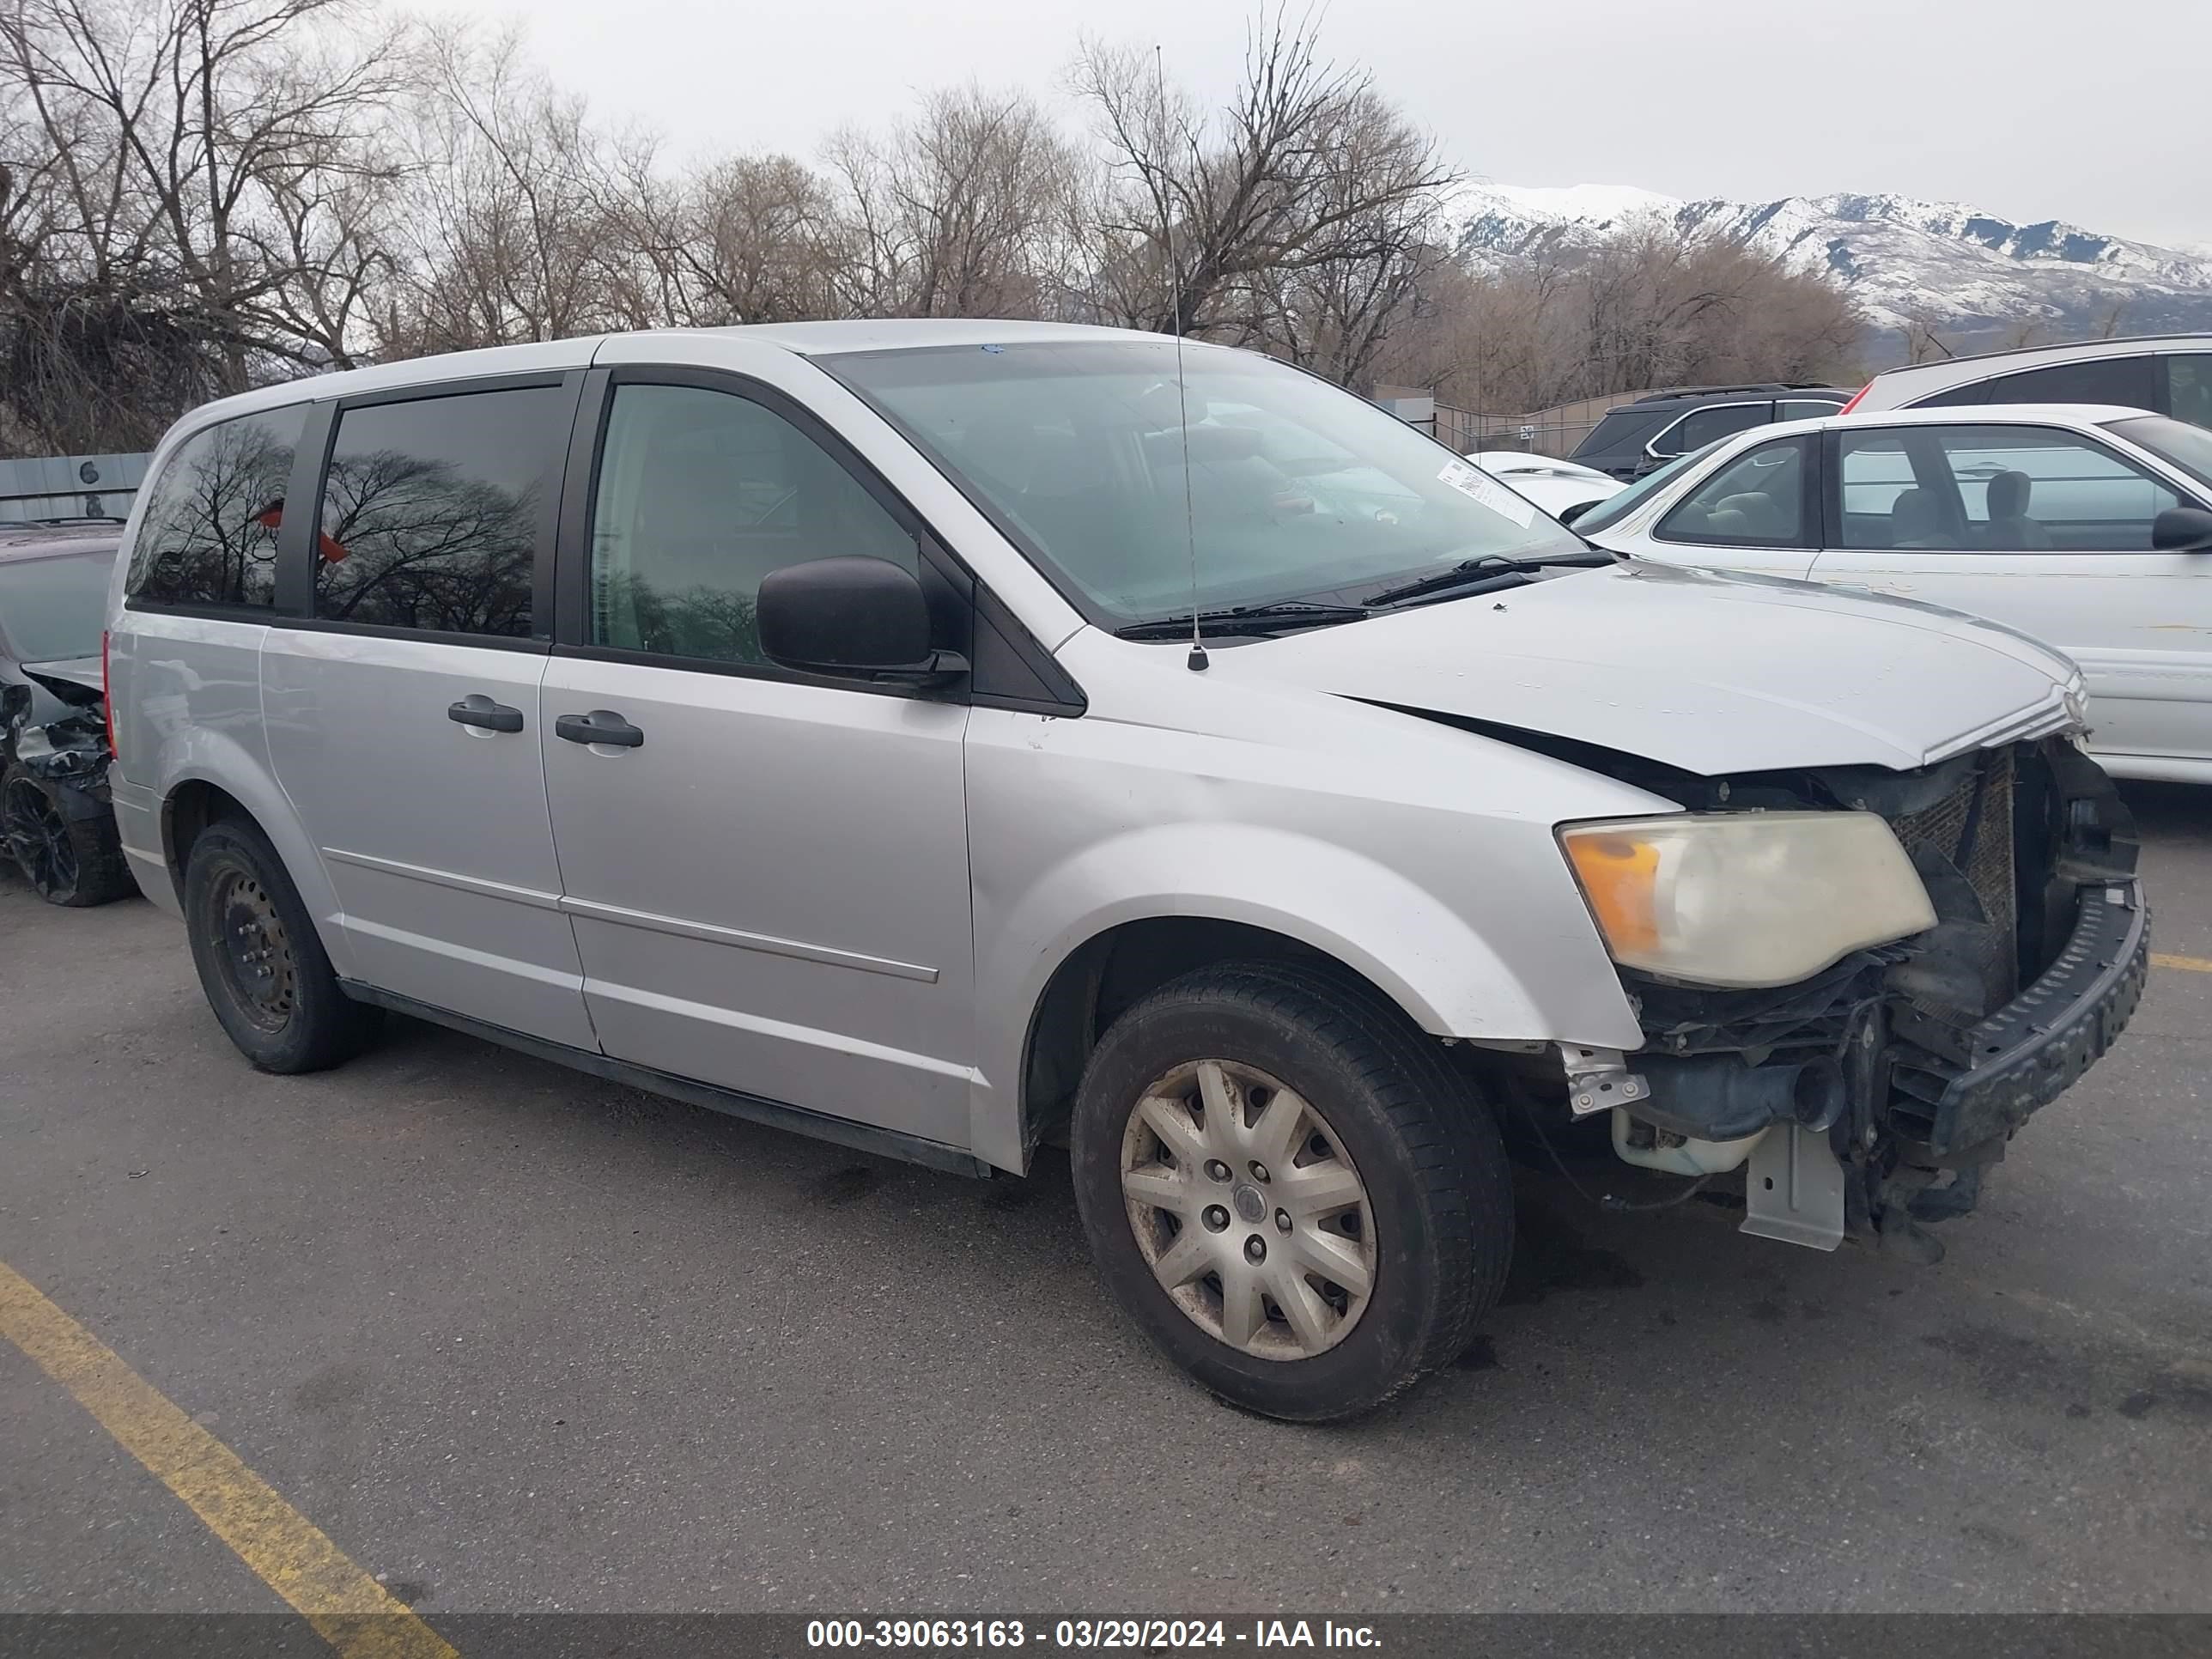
(1633, 438)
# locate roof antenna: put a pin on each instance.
(1197, 661)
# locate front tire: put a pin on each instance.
(260, 960)
(1289, 1188)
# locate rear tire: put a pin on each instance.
(260, 960)
(1366, 1221)
(73, 862)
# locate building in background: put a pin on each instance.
(70, 487)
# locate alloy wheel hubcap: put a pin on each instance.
(1247, 1210)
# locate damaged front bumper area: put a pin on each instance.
(1870, 1099)
(1981, 1084)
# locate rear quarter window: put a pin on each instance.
(1620, 429)
(209, 534)
(2123, 381)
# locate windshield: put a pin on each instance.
(1615, 509)
(54, 608)
(1294, 489)
(2177, 442)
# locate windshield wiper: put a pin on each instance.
(1470, 572)
(1243, 619)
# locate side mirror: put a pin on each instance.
(2182, 529)
(1572, 511)
(853, 619)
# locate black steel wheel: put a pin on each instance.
(260, 960)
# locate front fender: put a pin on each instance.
(1417, 949)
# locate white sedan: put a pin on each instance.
(1558, 486)
(2086, 526)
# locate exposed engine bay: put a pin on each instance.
(1873, 1096)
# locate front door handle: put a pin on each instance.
(600, 725)
(476, 709)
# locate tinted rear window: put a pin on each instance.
(1620, 429)
(208, 537)
(2189, 388)
(1959, 397)
(432, 507)
(2124, 381)
(54, 608)
(1721, 421)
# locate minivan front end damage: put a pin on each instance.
(1872, 1095)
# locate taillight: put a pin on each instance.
(108, 699)
(1855, 396)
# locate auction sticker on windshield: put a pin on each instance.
(1469, 480)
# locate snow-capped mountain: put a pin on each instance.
(1964, 271)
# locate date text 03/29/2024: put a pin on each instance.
(1127, 1634)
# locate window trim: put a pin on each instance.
(1651, 447)
(127, 547)
(1832, 510)
(935, 562)
(295, 545)
(1808, 533)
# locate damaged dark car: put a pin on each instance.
(56, 822)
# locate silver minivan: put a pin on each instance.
(955, 737)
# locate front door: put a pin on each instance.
(768, 874)
(403, 719)
(2048, 531)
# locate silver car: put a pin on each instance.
(2166, 373)
(951, 738)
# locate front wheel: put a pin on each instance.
(1289, 1188)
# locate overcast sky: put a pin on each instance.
(2098, 112)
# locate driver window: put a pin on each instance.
(701, 494)
(1757, 500)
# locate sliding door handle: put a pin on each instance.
(600, 725)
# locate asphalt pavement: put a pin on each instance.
(517, 1340)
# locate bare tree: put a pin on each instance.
(519, 210)
(745, 239)
(197, 195)
(1300, 212)
(1653, 307)
(210, 159)
(959, 212)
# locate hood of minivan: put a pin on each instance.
(1709, 671)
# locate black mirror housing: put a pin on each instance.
(2182, 529)
(852, 619)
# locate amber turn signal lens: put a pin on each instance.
(1619, 876)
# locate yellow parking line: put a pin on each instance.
(2187, 964)
(347, 1608)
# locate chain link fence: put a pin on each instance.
(1555, 432)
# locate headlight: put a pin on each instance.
(1745, 899)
